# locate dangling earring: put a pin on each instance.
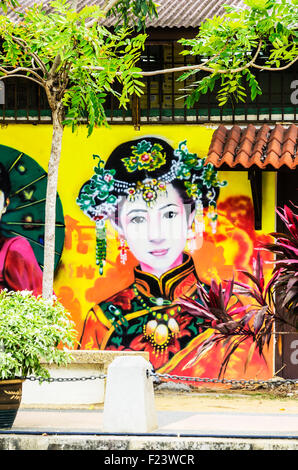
(123, 250)
(101, 245)
(212, 215)
(191, 240)
(199, 218)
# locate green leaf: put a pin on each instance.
(30, 330)
(134, 329)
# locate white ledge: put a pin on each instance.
(84, 364)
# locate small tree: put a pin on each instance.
(57, 51)
(262, 36)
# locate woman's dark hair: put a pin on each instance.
(5, 185)
(125, 150)
(124, 175)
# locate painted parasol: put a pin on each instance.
(25, 215)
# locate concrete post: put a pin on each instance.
(129, 400)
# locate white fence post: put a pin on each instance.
(129, 400)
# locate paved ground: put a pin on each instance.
(225, 423)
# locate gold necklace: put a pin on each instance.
(162, 327)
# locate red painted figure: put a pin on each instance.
(19, 269)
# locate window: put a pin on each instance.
(163, 100)
(164, 97)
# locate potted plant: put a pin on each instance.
(234, 320)
(32, 331)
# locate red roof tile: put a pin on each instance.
(264, 146)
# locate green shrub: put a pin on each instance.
(31, 329)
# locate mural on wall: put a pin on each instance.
(22, 201)
(160, 205)
(118, 309)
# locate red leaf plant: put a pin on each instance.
(285, 248)
(235, 322)
(227, 316)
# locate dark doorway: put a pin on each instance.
(286, 351)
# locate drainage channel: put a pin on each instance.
(179, 435)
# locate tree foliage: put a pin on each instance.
(57, 51)
(30, 331)
(263, 36)
(5, 4)
(133, 12)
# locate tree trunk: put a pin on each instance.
(50, 210)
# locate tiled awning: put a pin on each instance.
(251, 146)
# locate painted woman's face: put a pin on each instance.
(156, 235)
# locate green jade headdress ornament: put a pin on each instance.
(100, 196)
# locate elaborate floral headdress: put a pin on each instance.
(100, 196)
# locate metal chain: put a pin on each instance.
(224, 381)
(271, 382)
(63, 379)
